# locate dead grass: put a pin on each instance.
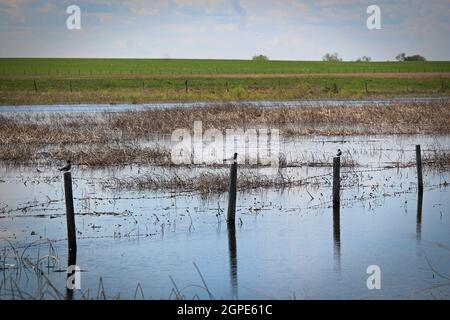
(114, 138)
(120, 127)
(214, 182)
(346, 120)
(94, 156)
(437, 158)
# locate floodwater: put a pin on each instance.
(290, 103)
(287, 243)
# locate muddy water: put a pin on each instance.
(287, 242)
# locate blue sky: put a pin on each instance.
(224, 29)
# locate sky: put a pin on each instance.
(225, 29)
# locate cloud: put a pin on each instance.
(284, 29)
(14, 9)
(46, 7)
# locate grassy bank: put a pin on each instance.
(137, 90)
(62, 81)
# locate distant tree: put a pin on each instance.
(260, 58)
(364, 59)
(400, 57)
(331, 57)
(415, 57)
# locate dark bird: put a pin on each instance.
(233, 158)
(339, 153)
(67, 167)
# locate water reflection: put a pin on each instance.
(419, 215)
(263, 103)
(337, 236)
(232, 248)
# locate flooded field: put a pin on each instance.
(288, 242)
(167, 105)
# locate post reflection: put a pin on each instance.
(71, 261)
(232, 247)
(337, 236)
(419, 215)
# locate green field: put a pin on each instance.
(54, 67)
(52, 81)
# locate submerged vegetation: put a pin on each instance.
(206, 183)
(120, 138)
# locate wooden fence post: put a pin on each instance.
(35, 86)
(419, 167)
(336, 181)
(70, 214)
(186, 86)
(231, 214)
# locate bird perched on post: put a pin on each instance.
(67, 167)
(234, 158)
(339, 153)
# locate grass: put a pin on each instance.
(108, 139)
(214, 182)
(135, 91)
(55, 67)
(415, 118)
(60, 81)
(437, 158)
(26, 278)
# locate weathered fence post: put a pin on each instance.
(70, 214)
(419, 168)
(336, 181)
(186, 86)
(231, 215)
(35, 86)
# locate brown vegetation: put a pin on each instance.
(205, 183)
(114, 138)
